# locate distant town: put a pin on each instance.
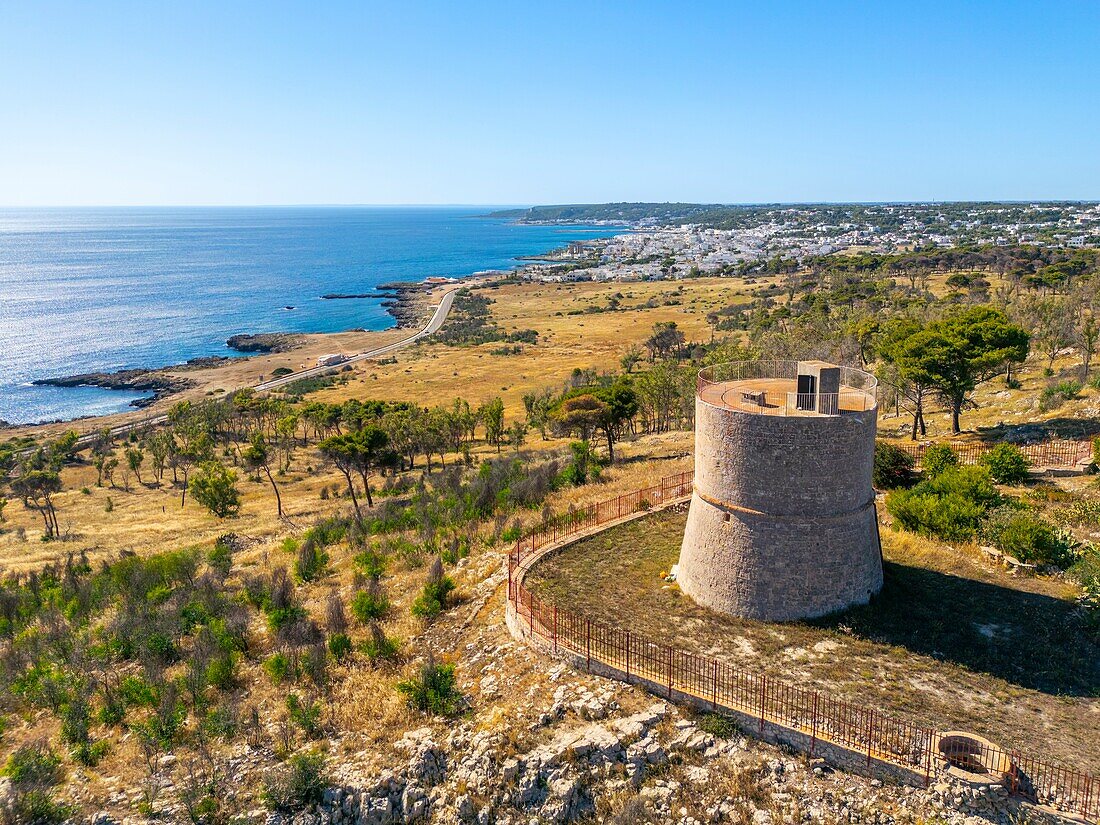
(686, 240)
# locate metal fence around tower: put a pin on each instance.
(817, 715)
(1053, 453)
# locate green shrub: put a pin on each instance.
(220, 558)
(433, 598)
(724, 727)
(893, 467)
(165, 724)
(1086, 570)
(33, 766)
(221, 722)
(40, 808)
(311, 563)
(583, 467)
(1006, 463)
(949, 506)
(138, 693)
(1084, 512)
(222, 671)
(370, 603)
(280, 617)
(1069, 389)
(946, 517)
(33, 771)
(1026, 536)
(280, 668)
(326, 532)
(432, 689)
(371, 563)
(457, 548)
(75, 724)
(298, 784)
(90, 753)
(305, 714)
(379, 647)
(972, 483)
(1054, 394)
(937, 458)
(339, 645)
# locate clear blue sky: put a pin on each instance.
(547, 102)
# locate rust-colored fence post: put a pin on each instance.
(1013, 773)
(813, 728)
(870, 733)
(670, 671)
(588, 642)
(763, 699)
(714, 685)
(928, 758)
(628, 655)
(555, 631)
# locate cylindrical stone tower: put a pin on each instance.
(782, 523)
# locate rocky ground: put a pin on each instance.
(654, 765)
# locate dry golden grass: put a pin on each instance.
(435, 373)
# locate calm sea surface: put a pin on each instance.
(85, 290)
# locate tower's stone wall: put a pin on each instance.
(782, 522)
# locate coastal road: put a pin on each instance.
(437, 319)
(433, 326)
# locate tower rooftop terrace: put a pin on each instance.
(788, 388)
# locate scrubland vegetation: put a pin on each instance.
(242, 575)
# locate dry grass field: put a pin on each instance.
(433, 373)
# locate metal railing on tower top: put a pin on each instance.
(770, 387)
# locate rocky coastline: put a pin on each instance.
(398, 298)
(135, 380)
(263, 342)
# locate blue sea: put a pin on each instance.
(87, 290)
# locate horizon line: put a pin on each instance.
(529, 205)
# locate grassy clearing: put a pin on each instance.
(949, 641)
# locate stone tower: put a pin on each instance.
(782, 523)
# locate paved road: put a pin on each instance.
(433, 326)
(438, 317)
